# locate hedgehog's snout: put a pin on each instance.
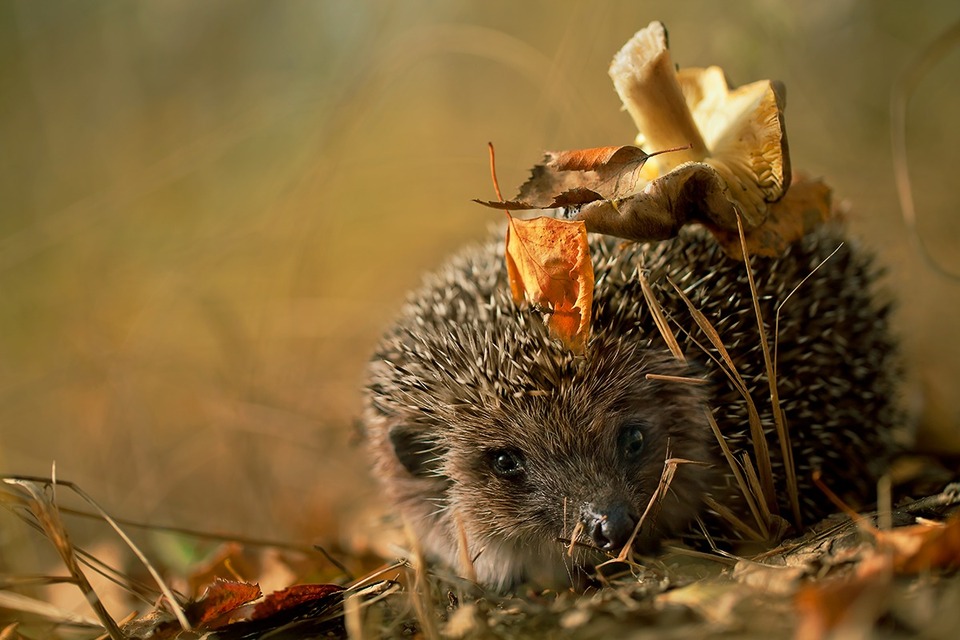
(609, 524)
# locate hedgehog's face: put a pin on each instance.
(525, 474)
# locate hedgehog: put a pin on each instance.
(486, 432)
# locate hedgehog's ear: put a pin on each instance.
(417, 452)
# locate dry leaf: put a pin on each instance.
(548, 262)
(806, 204)
(596, 158)
(605, 172)
(845, 607)
(922, 547)
(220, 599)
(730, 160)
(281, 601)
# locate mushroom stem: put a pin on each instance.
(646, 79)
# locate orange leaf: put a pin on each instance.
(922, 547)
(842, 607)
(548, 262)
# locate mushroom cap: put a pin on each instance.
(745, 133)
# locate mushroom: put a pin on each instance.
(735, 158)
(705, 154)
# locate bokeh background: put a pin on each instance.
(209, 211)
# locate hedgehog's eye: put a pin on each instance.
(507, 463)
(631, 440)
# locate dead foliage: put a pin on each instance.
(843, 577)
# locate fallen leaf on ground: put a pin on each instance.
(220, 599)
(845, 607)
(294, 596)
(922, 547)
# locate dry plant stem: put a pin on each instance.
(168, 594)
(679, 379)
(352, 618)
(422, 602)
(666, 478)
(646, 80)
(219, 537)
(753, 481)
(748, 495)
(13, 601)
(734, 521)
(377, 573)
(760, 450)
(786, 451)
(574, 536)
(46, 513)
(135, 588)
(658, 317)
(467, 568)
(776, 322)
(885, 502)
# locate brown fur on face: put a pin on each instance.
(569, 437)
(465, 385)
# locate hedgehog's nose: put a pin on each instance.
(609, 526)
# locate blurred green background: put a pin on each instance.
(211, 209)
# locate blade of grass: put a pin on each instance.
(785, 451)
(164, 588)
(760, 450)
(45, 510)
(658, 318)
(753, 501)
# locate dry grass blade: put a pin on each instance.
(666, 479)
(786, 451)
(423, 603)
(680, 379)
(45, 511)
(164, 588)
(754, 483)
(760, 449)
(658, 317)
(467, 569)
(26, 604)
(356, 600)
(733, 520)
(776, 321)
(753, 503)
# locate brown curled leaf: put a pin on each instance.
(548, 261)
(692, 192)
(609, 172)
(806, 204)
